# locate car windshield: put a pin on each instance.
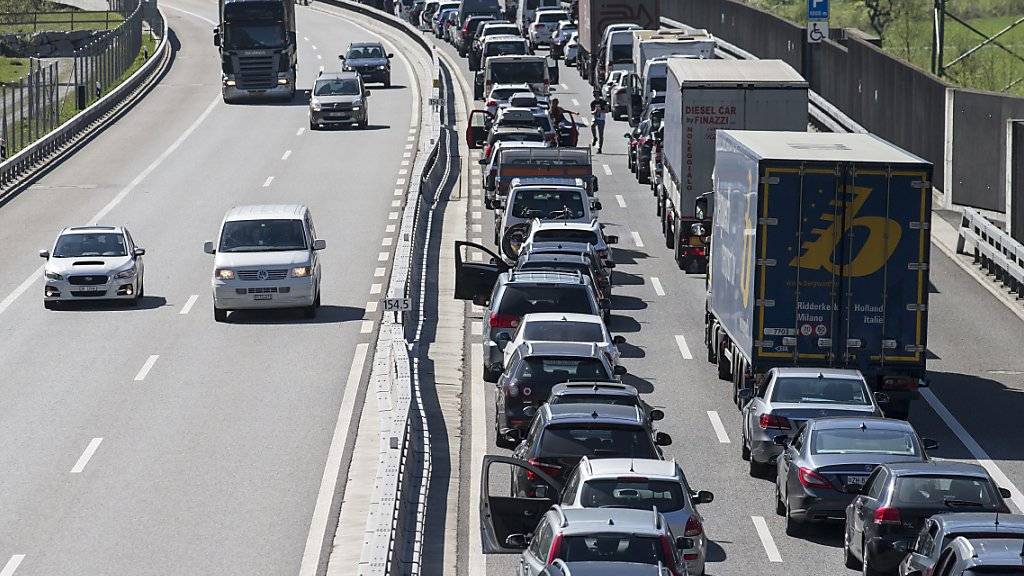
(358, 52)
(337, 87)
(262, 236)
(587, 236)
(954, 492)
(551, 371)
(521, 300)
(564, 331)
(621, 53)
(863, 441)
(517, 72)
(801, 390)
(606, 547)
(658, 83)
(577, 440)
(244, 36)
(548, 204)
(98, 244)
(638, 493)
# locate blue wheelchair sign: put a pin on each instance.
(817, 9)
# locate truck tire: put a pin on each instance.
(670, 233)
(659, 208)
(643, 176)
(724, 364)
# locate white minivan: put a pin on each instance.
(266, 256)
(527, 9)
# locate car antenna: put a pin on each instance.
(863, 425)
(820, 375)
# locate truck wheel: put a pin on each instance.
(643, 177)
(659, 208)
(670, 233)
(724, 365)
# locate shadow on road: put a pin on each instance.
(147, 303)
(326, 315)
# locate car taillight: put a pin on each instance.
(550, 469)
(538, 26)
(693, 527)
(556, 548)
(900, 384)
(487, 151)
(887, 515)
(811, 479)
(772, 421)
(502, 320)
(668, 553)
(492, 103)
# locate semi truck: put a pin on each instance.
(258, 54)
(647, 82)
(594, 18)
(819, 258)
(702, 98)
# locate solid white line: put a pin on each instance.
(683, 348)
(286, 154)
(203, 18)
(366, 327)
(375, 288)
(656, 284)
(620, 200)
(332, 468)
(636, 239)
(12, 565)
(300, 131)
(975, 449)
(379, 272)
(146, 367)
(94, 444)
(371, 306)
(38, 272)
(607, 169)
(189, 304)
(716, 423)
(766, 539)
(477, 449)
(268, 181)
(383, 257)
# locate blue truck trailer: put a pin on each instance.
(819, 257)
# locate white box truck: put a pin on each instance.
(649, 45)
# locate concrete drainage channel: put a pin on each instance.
(394, 533)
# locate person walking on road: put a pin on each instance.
(598, 109)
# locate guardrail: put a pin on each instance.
(994, 249)
(41, 155)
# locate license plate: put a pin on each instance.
(338, 115)
(89, 288)
(856, 480)
(262, 296)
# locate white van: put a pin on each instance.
(527, 9)
(266, 257)
(533, 70)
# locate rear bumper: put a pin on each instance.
(819, 505)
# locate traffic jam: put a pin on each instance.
(812, 247)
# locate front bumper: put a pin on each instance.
(337, 116)
(374, 75)
(281, 91)
(114, 289)
(247, 295)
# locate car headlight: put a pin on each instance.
(224, 274)
(356, 108)
(229, 82)
(53, 275)
(316, 105)
(129, 273)
(299, 272)
(381, 67)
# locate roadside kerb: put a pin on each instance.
(39, 157)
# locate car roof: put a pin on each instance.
(91, 229)
(591, 412)
(562, 317)
(994, 551)
(265, 212)
(613, 520)
(614, 467)
(365, 44)
(870, 422)
(560, 349)
(591, 388)
(346, 75)
(957, 521)
(934, 467)
(837, 373)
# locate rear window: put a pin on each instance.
(638, 494)
(614, 400)
(503, 93)
(564, 331)
(586, 236)
(549, 204)
(612, 548)
(958, 493)
(550, 371)
(509, 48)
(520, 300)
(790, 390)
(517, 72)
(597, 441)
(863, 441)
(519, 137)
(548, 17)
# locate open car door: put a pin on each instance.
(504, 513)
(553, 71)
(474, 278)
(569, 130)
(479, 126)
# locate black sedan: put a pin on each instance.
(827, 454)
(892, 506)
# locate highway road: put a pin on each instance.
(151, 440)
(976, 368)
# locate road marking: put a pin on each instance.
(404, 170)
(203, 18)
(564, 87)
(475, 203)
(620, 200)
(575, 102)
(189, 304)
(12, 565)
(383, 257)
(400, 182)
(478, 257)
(408, 146)
(390, 228)
(392, 215)
(716, 423)
(300, 131)
(478, 228)
(325, 499)
(371, 306)
(477, 240)
(375, 288)
(406, 154)
(607, 169)
(267, 182)
(412, 130)
(94, 444)
(656, 284)
(306, 38)
(399, 191)
(475, 171)
(975, 449)
(683, 348)
(286, 154)
(636, 239)
(366, 327)
(379, 272)
(477, 449)
(410, 138)
(477, 328)
(766, 539)
(319, 57)
(38, 272)
(474, 216)
(313, 46)
(387, 241)
(146, 367)
(396, 203)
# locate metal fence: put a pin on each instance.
(102, 63)
(29, 107)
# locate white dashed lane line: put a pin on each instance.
(656, 284)
(366, 327)
(300, 131)
(716, 423)
(146, 367)
(189, 304)
(683, 348)
(620, 200)
(379, 272)
(12, 565)
(383, 257)
(375, 288)
(286, 154)
(636, 239)
(766, 539)
(371, 306)
(267, 182)
(607, 169)
(575, 102)
(392, 215)
(313, 46)
(564, 87)
(94, 445)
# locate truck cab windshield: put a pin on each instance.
(246, 36)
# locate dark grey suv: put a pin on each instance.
(338, 98)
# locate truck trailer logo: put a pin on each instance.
(615, 12)
(882, 239)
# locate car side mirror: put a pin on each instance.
(929, 444)
(618, 339)
(704, 497)
(139, 252)
(390, 56)
(609, 264)
(781, 440)
(366, 93)
(627, 135)
(516, 541)
(745, 393)
(341, 56)
(482, 162)
(684, 543)
(208, 248)
(619, 370)
(44, 254)
(1005, 492)
(480, 300)
(656, 415)
(319, 244)
(597, 205)
(513, 436)
(662, 439)
(854, 489)
(611, 239)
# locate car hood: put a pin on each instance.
(360, 62)
(88, 264)
(262, 259)
(339, 99)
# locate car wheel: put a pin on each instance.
(220, 314)
(865, 564)
(849, 559)
(780, 506)
(757, 469)
(309, 312)
(794, 527)
(724, 369)
(387, 82)
(312, 126)
(364, 123)
(744, 449)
